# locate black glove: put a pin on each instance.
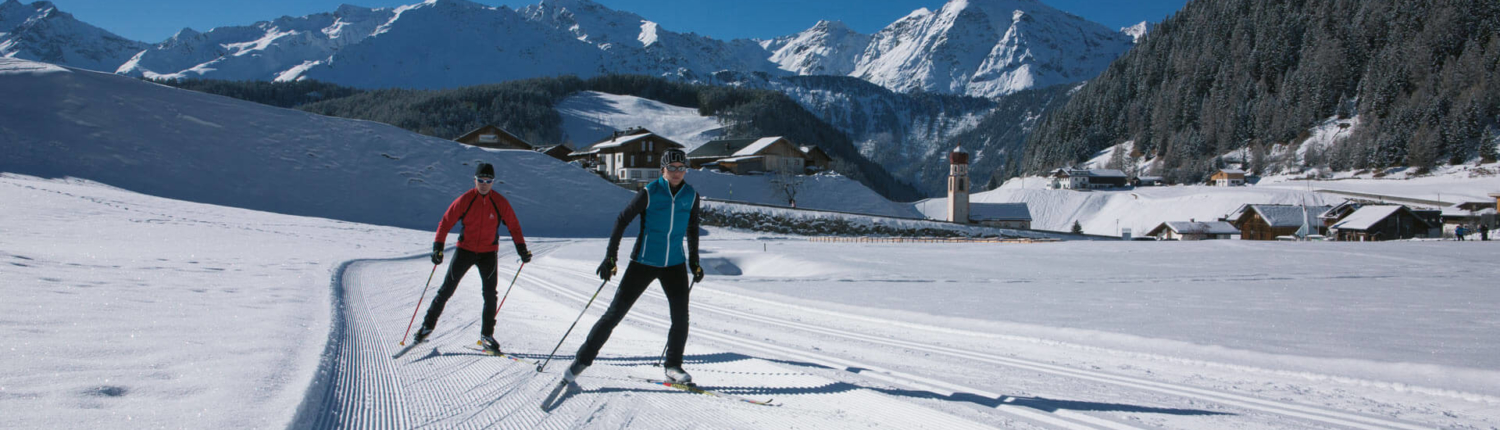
(606, 269)
(697, 273)
(437, 253)
(521, 251)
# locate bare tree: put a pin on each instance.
(787, 185)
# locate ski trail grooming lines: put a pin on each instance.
(419, 306)
(539, 367)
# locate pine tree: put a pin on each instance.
(1077, 229)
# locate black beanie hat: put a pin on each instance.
(485, 170)
(673, 155)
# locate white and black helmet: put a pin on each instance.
(673, 155)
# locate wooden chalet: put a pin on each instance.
(817, 160)
(1228, 178)
(629, 156)
(1194, 230)
(493, 137)
(1268, 222)
(559, 152)
(1078, 179)
(1381, 222)
(741, 156)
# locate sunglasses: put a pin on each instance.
(676, 168)
(485, 180)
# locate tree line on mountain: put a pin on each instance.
(279, 94)
(525, 108)
(1421, 76)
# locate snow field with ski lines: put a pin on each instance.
(201, 315)
(441, 375)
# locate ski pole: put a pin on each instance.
(663, 361)
(507, 289)
(539, 367)
(419, 304)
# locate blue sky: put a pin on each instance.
(156, 20)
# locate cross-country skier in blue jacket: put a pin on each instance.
(668, 208)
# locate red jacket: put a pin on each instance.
(482, 215)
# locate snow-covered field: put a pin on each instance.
(129, 311)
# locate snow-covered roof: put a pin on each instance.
(1366, 217)
(1232, 171)
(1199, 227)
(1091, 173)
(739, 159)
(614, 142)
(1289, 215)
(757, 146)
(997, 211)
(938, 209)
(960, 150)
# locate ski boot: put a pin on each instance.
(490, 345)
(422, 334)
(676, 374)
(573, 371)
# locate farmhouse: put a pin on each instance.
(1194, 230)
(493, 137)
(629, 156)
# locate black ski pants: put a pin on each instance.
(674, 280)
(462, 261)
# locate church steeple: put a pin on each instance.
(958, 186)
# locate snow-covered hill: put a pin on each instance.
(192, 146)
(590, 116)
(197, 147)
(41, 32)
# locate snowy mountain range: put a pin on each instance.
(40, 32)
(974, 47)
(982, 48)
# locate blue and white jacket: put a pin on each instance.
(666, 219)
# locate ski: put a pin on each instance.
(691, 388)
(404, 349)
(513, 358)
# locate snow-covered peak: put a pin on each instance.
(988, 48)
(828, 48)
(41, 32)
(1136, 32)
(591, 22)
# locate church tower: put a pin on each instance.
(958, 186)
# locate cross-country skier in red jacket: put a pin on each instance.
(481, 212)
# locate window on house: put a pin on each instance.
(632, 160)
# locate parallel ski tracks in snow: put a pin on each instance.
(1068, 418)
(433, 385)
(441, 384)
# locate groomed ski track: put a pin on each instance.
(825, 370)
